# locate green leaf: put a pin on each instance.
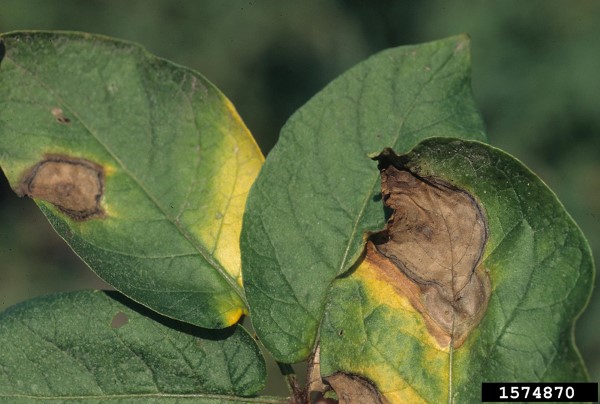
(318, 192)
(100, 346)
(540, 271)
(142, 166)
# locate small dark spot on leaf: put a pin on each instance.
(73, 185)
(60, 116)
(341, 332)
(119, 320)
(2, 50)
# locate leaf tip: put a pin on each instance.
(463, 42)
(233, 316)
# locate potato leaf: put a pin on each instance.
(319, 192)
(100, 346)
(401, 322)
(141, 165)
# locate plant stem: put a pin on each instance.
(290, 377)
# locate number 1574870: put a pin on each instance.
(539, 392)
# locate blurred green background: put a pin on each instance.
(536, 79)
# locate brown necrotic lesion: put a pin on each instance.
(352, 389)
(73, 185)
(434, 240)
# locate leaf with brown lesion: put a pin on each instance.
(431, 250)
(415, 315)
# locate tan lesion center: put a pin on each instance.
(73, 185)
(431, 251)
